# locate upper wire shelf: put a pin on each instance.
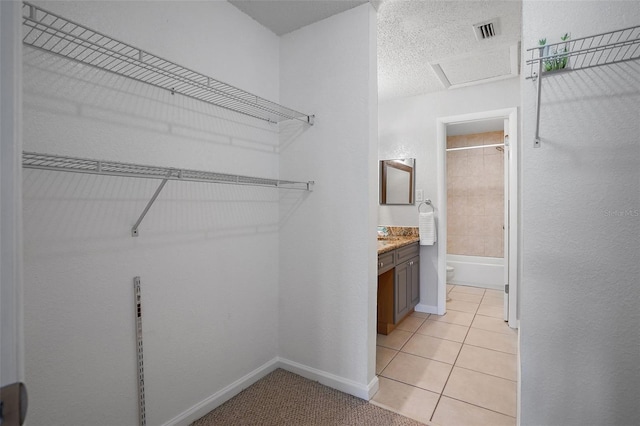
(33, 160)
(586, 52)
(581, 53)
(54, 34)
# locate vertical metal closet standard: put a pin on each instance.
(54, 34)
(586, 52)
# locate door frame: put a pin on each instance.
(11, 303)
(441, 134)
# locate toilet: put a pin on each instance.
(450, 272)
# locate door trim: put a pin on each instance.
(11, 334)
(441, 134)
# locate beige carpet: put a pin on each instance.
(284, 398)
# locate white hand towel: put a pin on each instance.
(427, 228)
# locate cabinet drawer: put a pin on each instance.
(385, 262)
(407, 252)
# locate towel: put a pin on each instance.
(427, 228)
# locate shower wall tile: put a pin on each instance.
(475, 194)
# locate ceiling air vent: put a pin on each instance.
(486, 30)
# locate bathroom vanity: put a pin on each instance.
(398, 280)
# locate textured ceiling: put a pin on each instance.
(412, 35)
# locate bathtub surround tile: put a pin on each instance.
(462, 306)
(493, 393)
(456, 225)
(454, 317)
(421, 372)
(476, 226)
(487, 361)
(410, 401)
(443, 330)
(476, 164)
(432, 348)
(457, 141)
(453, 412)
(492, 324)
(491, 340)
(493, 225)
(494, 162)
(383, 357)
(475, 206)
(494, 247)
(410, 324)
(477, 184)
(394, 340)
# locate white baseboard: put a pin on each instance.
(331, 380)
(427, 309)
(223, 395)
(340, 383)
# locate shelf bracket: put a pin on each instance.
(134, 230)
(536, 140)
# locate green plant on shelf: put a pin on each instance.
(556, 55)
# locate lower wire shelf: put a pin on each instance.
(34, 160)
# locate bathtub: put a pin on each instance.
(477, 271)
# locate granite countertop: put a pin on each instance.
(386, 244)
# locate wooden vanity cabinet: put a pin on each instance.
(398, 285)
(407, 281)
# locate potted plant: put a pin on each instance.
(556, 54)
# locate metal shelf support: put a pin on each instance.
(134, 230)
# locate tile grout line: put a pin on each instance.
(480, 406)
(440, 394)
(452, 367)
(488, 374)
(400, 349)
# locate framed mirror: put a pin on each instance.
(397, 180)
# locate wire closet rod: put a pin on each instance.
(55, 34)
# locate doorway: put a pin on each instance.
(509, 118)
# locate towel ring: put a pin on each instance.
(426, 202)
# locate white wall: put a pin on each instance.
(207, 254)
(407, 128)
(327, 246)
(580, 346)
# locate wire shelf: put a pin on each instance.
(33, 160)
(54, 34)
(586, 52)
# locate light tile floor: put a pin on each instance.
(453, 370)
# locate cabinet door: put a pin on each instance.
(401, 296)
(414, 291)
